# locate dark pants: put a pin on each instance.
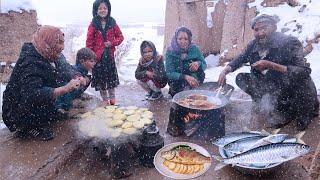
(65, 101)
(292, 102)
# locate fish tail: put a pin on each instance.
(299, 136)
(276, 131)
(264, 132)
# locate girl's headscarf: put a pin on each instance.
(46, 40)
(174, 43)
(154, 50)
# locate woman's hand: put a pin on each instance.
(193, 82)
(194, 66)
(107, 44)
(72, 84)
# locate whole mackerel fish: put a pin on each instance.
(267, 154)
(228, 138)
(245, 144)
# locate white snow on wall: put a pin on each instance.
(290, 17)
(16, 5)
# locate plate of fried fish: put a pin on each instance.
(182, 160)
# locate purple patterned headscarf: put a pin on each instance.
(174, 44)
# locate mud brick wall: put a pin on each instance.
(15, 29)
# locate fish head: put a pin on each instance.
(302, 149)
(232, 146)
(219, 142)
(168, 154)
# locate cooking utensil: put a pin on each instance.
(218, 91)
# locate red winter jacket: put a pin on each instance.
(95, 40)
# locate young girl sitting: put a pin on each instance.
(103, 36)
(150, 73)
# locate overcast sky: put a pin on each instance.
(61, 12)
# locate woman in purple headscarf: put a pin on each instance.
(185, 63)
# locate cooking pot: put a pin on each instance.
(208, 89)
(211, 120)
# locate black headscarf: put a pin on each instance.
(110, 22)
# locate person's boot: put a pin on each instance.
(148, 95)
(44, 133)
(156, 95)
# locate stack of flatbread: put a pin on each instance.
(115, 121)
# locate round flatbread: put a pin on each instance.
(129, 112)
(129, 130)
(119, 116)
(109, 110)
(126, 125)
(138, 111)
(108, 115)
(147, 114)
(115, 122)
(146, 121)
(118, 111)
(138, 124)
(133, 118)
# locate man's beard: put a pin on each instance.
(263, 42)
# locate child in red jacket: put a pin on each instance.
(103, 36)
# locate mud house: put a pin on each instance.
(15, 29)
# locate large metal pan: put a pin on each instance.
(227, 89)
(218, 101)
